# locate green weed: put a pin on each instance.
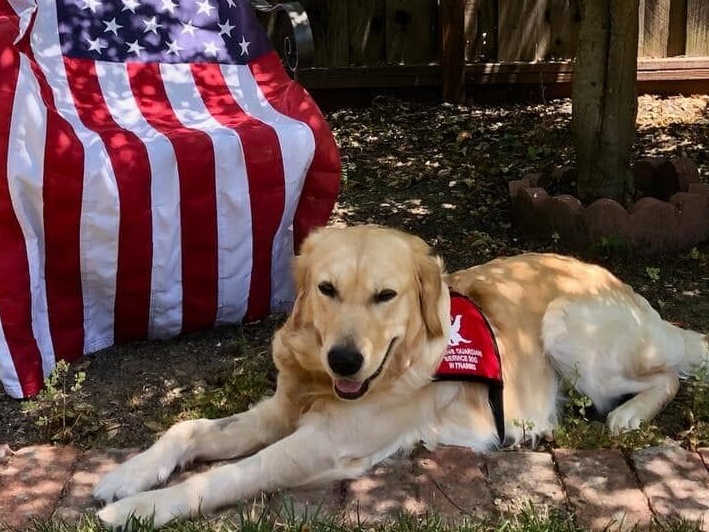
(61, 410)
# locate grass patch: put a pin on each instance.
(685, 420)
(243, 519)
(581, 428)
(251, 378)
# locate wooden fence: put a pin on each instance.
(543, 30)
(393, 32)
(493, 43)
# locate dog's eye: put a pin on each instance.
(385, 295)
(327, 289)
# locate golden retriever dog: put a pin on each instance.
(356, 357)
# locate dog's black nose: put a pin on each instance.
(345, 360)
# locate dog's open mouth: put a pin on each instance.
(350, 390)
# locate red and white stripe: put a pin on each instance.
(144, 201)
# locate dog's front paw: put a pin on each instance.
(153, 507)
(623, 419)
(137, 474)
(120, 515)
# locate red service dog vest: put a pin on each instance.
(472, 354)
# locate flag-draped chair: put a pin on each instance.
(158, 170)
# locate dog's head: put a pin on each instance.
(374, 301)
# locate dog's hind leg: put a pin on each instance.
(612, 345)
(200, 439)
(644, 406)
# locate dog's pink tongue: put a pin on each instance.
(348, 386)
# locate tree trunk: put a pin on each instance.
(604, 101)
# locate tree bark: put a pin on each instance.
(604, 100)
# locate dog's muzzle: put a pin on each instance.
(346, 358)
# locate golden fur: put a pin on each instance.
(355, 359)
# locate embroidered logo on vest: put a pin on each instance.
(472, 354)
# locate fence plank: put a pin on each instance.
(452, 31)
(564, 20)
(411, 31)
(328, 21)
(697, 27)
(654, 28)
(678, 28)
(484, 45)
(366, 32)
(523, 33)
(471, 13)
(470, 24)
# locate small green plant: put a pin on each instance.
(555, 238)
(527, 427)
(610, 246)
(60, 408)
(653, 273)
(581, 403)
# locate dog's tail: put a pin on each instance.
(695, 358)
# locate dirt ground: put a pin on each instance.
(439, 171)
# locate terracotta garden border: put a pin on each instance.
(673, 215)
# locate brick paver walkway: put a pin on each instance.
(597, 486)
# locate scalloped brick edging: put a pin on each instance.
(603, 489)
(652, 225)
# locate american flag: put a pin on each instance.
(157, 170)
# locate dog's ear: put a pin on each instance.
(301, 308)
(429, 270)
(301, 313)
